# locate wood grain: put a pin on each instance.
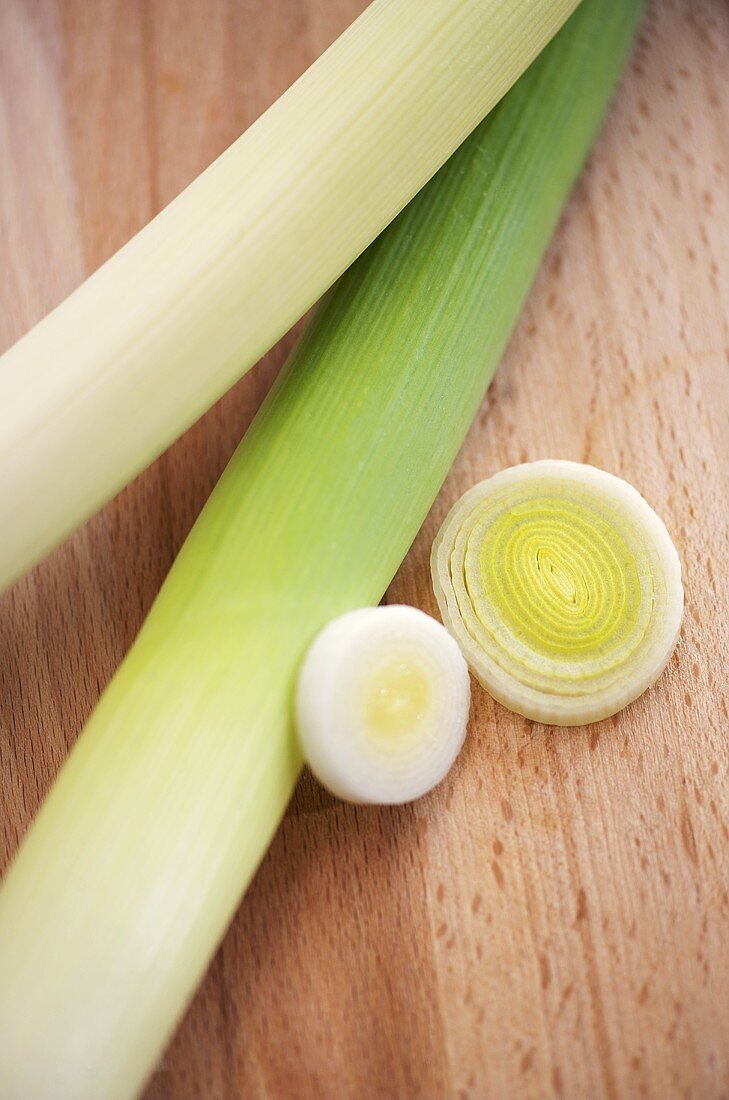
(553, 920)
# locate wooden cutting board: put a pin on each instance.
(554, 919)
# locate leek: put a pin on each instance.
(101, 386)
(562, 587)
(382, 704)
(130, 874)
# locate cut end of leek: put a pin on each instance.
(382, 704)
(563, 589)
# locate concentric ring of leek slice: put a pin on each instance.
(562, 587)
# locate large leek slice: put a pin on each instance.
(137, 860)
(100, 387)
(562, 587)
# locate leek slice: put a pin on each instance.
(139, 856)
(113, 375)
(382, 704)
(562, 587)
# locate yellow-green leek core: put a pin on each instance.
(563, 588)
(396, 702)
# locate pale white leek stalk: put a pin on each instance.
(382, 704)
(562, 587)
(101, 386)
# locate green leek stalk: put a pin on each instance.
(138, 858)
(101, 386)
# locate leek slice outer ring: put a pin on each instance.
(562, 587)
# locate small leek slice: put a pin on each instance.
(382, 704)
(562, 587)
(113, 375)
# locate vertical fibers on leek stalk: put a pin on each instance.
(155, 336)
(139, 856)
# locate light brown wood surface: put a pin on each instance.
(554, 919)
